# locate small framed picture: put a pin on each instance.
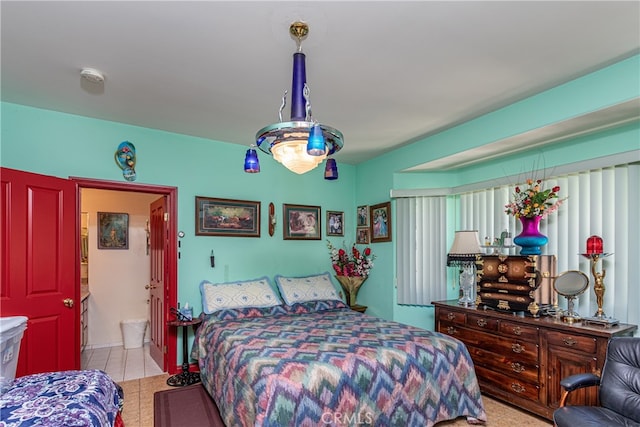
(363, 236)
(225, 217)
(362, 216)
(380, 222)
(301, 222)
(113, 230)
(335, 223)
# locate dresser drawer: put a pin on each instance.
(519, 331)
(450, 329)
(510, 365)
(452, 316)
(510, 348)
(482, 322)
(512, 386)
(574, 342)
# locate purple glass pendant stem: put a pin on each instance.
(298, 103)
(530, 239)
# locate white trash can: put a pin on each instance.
(11, 331)
(133, 332)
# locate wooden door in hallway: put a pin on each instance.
(157, 286)
(40, 273)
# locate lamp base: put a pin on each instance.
(465, 303)
(467, 282)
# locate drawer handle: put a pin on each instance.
(451, 330)
(518, 388)
(482, 323)
(517, 348)
(516, 367)
(569, 341)
(451, 316)
(517, 330)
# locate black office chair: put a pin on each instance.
(619, 391)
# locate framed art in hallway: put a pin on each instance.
(226, 217)
(335, 223)
(113, 230)
(301, 222)
(380, 220)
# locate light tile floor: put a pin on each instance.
(121, 364)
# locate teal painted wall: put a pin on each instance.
(375, 179)
(64, 145)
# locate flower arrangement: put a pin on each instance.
(534, 200)
(356, 263)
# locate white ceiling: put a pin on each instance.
(384, 73)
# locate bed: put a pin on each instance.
(87, 398)
(307, 363)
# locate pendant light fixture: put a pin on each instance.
(331, 170)
(301, 143)
(251, 162)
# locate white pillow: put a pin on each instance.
(250, 293)
(309, 288)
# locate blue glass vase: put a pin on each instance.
(530, 239)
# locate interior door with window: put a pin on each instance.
(159, 233)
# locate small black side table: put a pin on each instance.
(185, 377)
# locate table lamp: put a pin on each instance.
(463, 253)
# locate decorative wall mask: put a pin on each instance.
(126, 159)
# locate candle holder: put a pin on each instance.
(598, 288)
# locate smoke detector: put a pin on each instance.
(92, 75)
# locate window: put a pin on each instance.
(604, 202)
(421, 253)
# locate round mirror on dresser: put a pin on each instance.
(570, 284)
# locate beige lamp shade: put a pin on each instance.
(465, 247)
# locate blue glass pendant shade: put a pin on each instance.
(251, 162)
(316, 145)
(298, 110)
(331, 170)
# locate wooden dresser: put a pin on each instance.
(521, 360)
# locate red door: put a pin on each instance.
(38, 251)
(159, 234)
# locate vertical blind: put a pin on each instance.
(604, 202)
(421, 253)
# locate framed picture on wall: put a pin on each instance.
(380, 219)
(362, 219)
(226, 217)
(301, 222)
(335, 223)
(363, 235)
(113, 230)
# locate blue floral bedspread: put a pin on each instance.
(67, 398)
(320, 363)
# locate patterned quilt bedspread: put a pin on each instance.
(67, 398)
(320, 363)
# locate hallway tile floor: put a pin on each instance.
(121, 364)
